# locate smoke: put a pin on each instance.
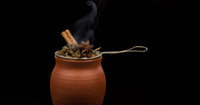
(84, 27)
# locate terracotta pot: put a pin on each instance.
(77, 82)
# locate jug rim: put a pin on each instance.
(99, 54)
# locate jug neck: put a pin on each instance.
(69, 63)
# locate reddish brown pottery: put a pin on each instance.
(77, 82)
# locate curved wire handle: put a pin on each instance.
(132, 49)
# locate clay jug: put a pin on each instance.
(77, 82)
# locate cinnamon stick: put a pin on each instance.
(65, 36)
(73, 41)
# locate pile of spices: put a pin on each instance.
(75, 50)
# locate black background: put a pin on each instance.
(165, 75)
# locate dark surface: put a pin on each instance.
(166, 74)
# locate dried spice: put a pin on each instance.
(76, 50)
(79, 51)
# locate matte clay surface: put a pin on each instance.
(77, 82)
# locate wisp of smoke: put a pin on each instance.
(84, 27)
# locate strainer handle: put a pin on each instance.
(132, 49)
